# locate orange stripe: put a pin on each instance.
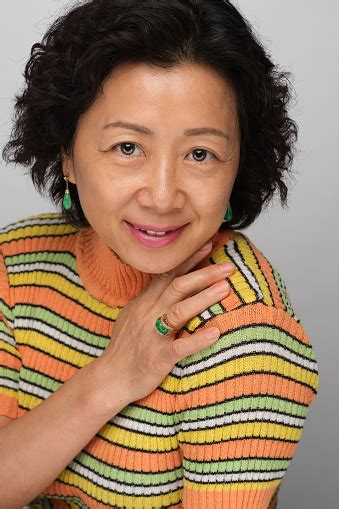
(9, 360)
(47, 365)
(245, 385)
(8, 406)
(66, 308)
(261, 314)
(133, 460)
(62, 242)
(237, 449)
(237, 499)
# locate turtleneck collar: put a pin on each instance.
(107, 278)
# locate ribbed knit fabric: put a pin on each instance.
(221, 429)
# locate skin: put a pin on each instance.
(166, 180)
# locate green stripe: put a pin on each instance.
(5, 310)
(61, 323)
(114, 474)
(210, 411)
(266, 403)
(283, 291)
(63, 258)
(7, 372)
(248, 334)
(5, 329)
(237, 465)
(44, 381)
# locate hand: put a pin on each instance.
(136, 353)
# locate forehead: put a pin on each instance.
(188, 90)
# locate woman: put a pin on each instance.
(158, 116)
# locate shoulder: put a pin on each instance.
(259, 329)
(256, 279)
(36, 232)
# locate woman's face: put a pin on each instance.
(158, 175)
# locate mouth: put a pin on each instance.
(154, 238)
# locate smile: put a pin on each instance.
(154, 239)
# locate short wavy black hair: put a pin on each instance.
(81, 48)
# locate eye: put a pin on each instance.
(127, 144)
(130, 146)
(202, 151)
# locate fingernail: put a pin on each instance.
(206, 246)
(227, 266)
(212, 333)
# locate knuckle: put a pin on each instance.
(176, 314)
(178, 285)
(163, 275)
(176, 350)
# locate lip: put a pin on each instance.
(156, 228)
(149, 241)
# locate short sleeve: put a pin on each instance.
(242, 405)
(10, 359)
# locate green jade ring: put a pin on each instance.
(162, 325)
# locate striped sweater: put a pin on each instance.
(221, 429)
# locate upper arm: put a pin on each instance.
(242, 404)
(10, 358)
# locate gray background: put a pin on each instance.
(301, 241)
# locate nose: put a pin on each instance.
(164, 189)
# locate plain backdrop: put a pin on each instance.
(301, 241)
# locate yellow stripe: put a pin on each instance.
(237, 486)
(251, 262)
(239, 282)
(51, 347)
(7, 391)
(10, 349)
(245, 365)
(29, 401)
(134, 440)
(53, 230)
(240, 430)
(66, 288)
(105, 496)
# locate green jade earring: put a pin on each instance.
(229, 213)
(67, 202)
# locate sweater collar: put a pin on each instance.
(110, 280)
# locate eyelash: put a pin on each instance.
(137, 145)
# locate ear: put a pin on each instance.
(67, 166)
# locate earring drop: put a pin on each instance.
(67, 202)
(229, 213)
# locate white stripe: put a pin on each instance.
(45, 266)
(34, 390)
(32, 222)
(238, 417)
(58, 335)
(122, 488)
(4, 382)
(206, 314)
(236, 258)
(167, 430)
(262, 348)
(7, 339)
(233, 477)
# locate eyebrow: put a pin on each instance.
(188, 132)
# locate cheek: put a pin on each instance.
(96, 194)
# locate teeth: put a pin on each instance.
(157, 234)
(150, 232)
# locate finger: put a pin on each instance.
(182, 347)
(161, 281)
(181, 310)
